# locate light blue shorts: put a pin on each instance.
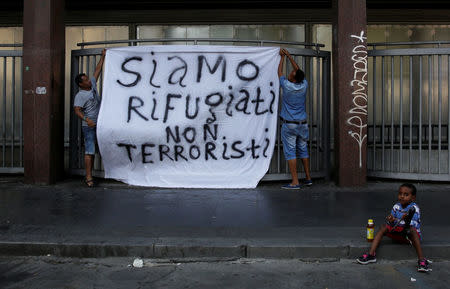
(90, 139)
(294, 138)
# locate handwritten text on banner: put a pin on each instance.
(189, 116)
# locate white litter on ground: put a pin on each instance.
(138, 263)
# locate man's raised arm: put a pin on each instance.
(280, 65)
(291, 59)
(99, 66)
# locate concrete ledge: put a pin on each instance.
(296, 252)
(387, 252)
(75, 250)
(182, 251)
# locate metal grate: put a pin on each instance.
(11, 139)
(409, 112)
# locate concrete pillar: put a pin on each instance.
(43, 90)
(350, 91)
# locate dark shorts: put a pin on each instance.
(90, 140)
(399, 234)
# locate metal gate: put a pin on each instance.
(11, 140)
(408, 116)
(409, 111)
(312, 60)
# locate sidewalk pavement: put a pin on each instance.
(114, 219)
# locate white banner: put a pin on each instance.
(189, 116)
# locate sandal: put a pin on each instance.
(90, 183)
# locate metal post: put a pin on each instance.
(430, 110)
(392, 115)
(4, 114)
(13, 107)
(80, 153)
(309, 100)
(21, 119)
(326, 111)
(440, 111)
(319, 125)
(400, 164)
(73, 131)
(383, 89)
(374, 116)
(312, 132)
(410, 112)
(420, 113)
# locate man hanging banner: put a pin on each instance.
(189, 116)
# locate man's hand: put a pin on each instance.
(90, 122)
(282, 52)
(104, 52)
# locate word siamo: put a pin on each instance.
(246, 70)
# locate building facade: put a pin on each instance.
(390, 153)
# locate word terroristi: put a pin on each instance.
(181, 145)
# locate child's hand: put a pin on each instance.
(390, 218)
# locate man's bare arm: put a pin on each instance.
(99, 66)
(280, 65)
(80, 114)
(291, 59)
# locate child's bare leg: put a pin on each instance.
(416, 243)
(377, 239)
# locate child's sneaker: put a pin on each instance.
(423, 265)
(366, 259)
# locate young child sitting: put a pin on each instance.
(403, 225)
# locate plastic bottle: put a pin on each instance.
(370, 230)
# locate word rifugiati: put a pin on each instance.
(158, 108)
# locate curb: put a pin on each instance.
(102, 250)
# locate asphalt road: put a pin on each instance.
(53, 272)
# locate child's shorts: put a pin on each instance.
(399, 234)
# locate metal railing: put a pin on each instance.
(11, 140)
(196, 41)
(409, 111)
(313, 61)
